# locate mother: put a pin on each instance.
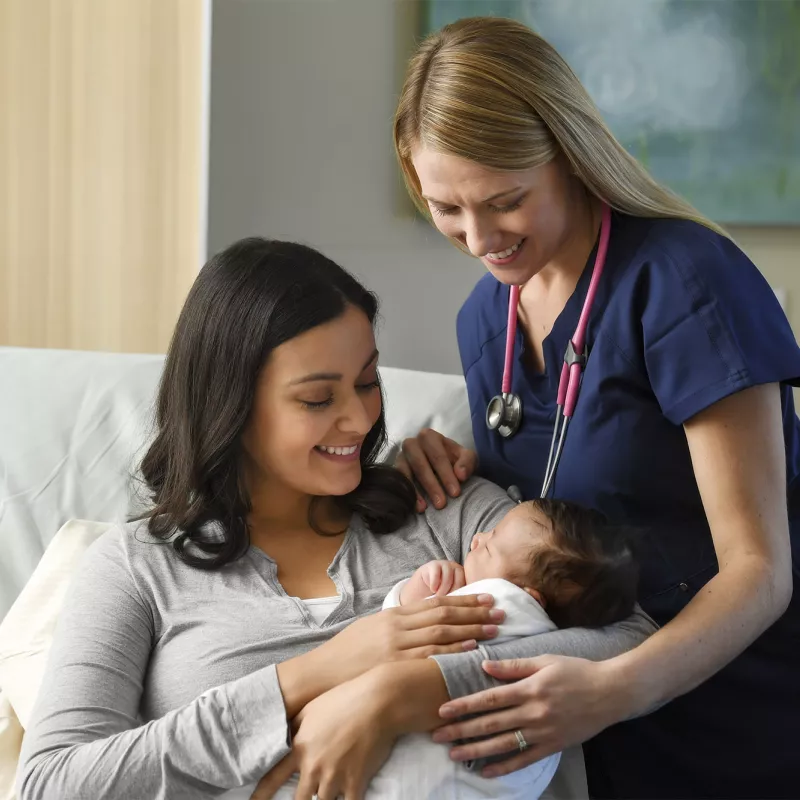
(241, 606)
(685, 424)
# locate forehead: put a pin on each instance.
(343, 345)
(524, 520)
(440, 173)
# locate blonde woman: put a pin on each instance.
(685, 424)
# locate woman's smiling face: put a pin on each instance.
(317, 399)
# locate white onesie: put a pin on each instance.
(420, 769)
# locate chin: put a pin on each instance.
(342, 485)
(513, 275)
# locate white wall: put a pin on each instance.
(302, 98)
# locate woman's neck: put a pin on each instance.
(279, 510)
(570, 261)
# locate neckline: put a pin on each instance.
(355, 522)
(561, 331)
(319, 601)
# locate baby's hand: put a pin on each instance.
(435, 577)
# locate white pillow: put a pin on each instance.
(26, 633)
(10, 743)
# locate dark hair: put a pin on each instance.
(588, 575)
(245, 302)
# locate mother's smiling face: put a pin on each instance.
(316, 400)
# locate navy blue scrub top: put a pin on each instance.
(681, 319)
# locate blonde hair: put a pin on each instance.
(490, 90)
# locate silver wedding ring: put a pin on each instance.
(521, 743)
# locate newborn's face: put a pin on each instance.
(505, 551)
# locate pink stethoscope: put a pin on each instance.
(504, 412)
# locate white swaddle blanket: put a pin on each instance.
(420, 769)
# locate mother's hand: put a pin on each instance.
(343, 739)
(556, 702)
(425, 628)
(430, 458)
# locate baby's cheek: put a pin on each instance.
(472, 568)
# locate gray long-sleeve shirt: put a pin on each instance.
(161, 681)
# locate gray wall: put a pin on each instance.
(302, 98)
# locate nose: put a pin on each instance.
(356, 417)
(476, 540)
(480, 235)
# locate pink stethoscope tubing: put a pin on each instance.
(571, 371)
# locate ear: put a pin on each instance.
(536, 595)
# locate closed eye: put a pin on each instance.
(507, 209)
(318, 404)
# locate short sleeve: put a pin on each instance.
(711, 324)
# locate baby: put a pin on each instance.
(548, 564)
(578, 570)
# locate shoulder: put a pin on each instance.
(131, 543)
(524, 615)
(690, 258)
(671, 270)
(479, 498)
(128, 555)
(689, 296)
(480, 506)
(482, 316)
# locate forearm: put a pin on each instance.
(412, 693)
(306, 677)
(464, 674)
(731, 611)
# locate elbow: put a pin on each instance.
(35, 779)
(782, 590)
(770, 581)
(27, 780)
(775, 587)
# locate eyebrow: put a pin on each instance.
(331, 376)
(485, 200)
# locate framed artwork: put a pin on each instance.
(705, 93)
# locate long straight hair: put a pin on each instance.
(491, 91)
(246, 301)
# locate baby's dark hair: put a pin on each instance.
(588, 575)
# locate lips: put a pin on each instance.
(504, 253)
(341, 454)
(503, 257)
(337, 451)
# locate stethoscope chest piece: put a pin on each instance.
(504, 414)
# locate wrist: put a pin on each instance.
(304, 678)
(401, 594)
(628, 687)
(411, 693)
